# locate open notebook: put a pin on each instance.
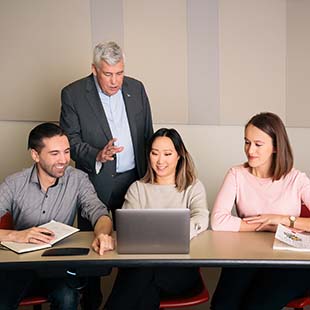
(60, 230)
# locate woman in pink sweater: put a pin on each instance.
(266, 191)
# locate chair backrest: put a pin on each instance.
(198, 296)
(6, 221)
(300, 303)
(304, 211)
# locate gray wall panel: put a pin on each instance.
(107, 21)
(298, 63)
(203, 62)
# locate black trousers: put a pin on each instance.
(141, 288)
(15, 285)
(92, 296)
(259, 288)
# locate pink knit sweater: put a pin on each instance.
(252, 196)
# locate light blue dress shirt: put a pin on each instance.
(115, 111)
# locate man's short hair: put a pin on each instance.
(44, 130)
(109, 51)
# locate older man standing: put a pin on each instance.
(108, 119)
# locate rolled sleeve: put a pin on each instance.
(91, 206)
(6, 198)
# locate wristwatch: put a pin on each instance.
(292, 221)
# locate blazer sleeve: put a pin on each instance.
(81, 152)
(148, 130)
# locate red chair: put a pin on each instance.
(197, 296)
(6, 222)
(304, 211)
(300, 303)
(35, 301)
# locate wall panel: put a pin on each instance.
(298, 63)
(155, 44)
(252, 58)
(44, 46)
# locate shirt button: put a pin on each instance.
(43, 212)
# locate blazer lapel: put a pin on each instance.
(95, 103)
(131, 112)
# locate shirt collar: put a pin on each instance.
(101, 93)
(35, 179)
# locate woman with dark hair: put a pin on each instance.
(266, 191)
(170, 182)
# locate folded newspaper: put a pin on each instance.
(286, 239)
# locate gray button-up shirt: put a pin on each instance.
(22, 196)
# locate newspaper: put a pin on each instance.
(287, 239)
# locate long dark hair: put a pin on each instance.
(185, 171)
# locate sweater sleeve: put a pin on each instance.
(132, 200)
(304, 188)
(198, 209)
(221, 217)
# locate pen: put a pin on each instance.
(47, 233)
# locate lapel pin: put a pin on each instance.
(128, 95)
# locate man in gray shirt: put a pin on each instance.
(49, 190)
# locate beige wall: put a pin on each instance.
(44, 45)
(214, 68)
(298, 63)
(156, 52)
(252, 59)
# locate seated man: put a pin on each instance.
(50, 189)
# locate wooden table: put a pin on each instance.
(210, 248)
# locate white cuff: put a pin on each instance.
(98, 166)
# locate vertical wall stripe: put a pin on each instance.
(252, 53)
(298, 64)
(107, 21)
(203, 61)
(155, 41)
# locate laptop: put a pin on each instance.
(152, 231)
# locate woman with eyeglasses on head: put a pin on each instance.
(170, 182)
(266, 191)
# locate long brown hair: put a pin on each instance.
(185, 171)
(272, 125)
